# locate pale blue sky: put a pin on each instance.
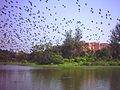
(47, 20)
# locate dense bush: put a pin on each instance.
(57, 59)
(104, 53)
(77, 59)
(65, 59)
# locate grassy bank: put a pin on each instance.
(67, 64)
(17, 63)
(96, 63)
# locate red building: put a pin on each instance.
(94, 46)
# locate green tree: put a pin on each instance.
(78, 35)
(46, 54)
(57, 49)
(22, 56)
(7, 56)
(57, 59)
(104, 53)
(41, 54)
(72, 46)
(78, 43)
(68, 44)
(115, 42)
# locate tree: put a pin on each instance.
(41, 54)
(7, 56)
(78, 35)
(57, 49)
(72, 46)
(22, 56)
(104, 53)
(46, 54)
(78, 43)
(115, 42)
(57, 59)
(68, 44)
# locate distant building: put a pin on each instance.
(94, 46)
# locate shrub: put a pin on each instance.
(102, 63)
(57, 59)
(71, 60)
(114, 63)
(65, 59)
(86, 63)
(77, 59)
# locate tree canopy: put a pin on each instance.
(72, 44)
(115, 42)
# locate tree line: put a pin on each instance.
(70, 51)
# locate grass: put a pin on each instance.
(16, 63)
(81, 64)
(67, 64)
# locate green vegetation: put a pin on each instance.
(115, 42)
(70, 53)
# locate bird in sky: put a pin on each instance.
(25, 23)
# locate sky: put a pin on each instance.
(24, 23)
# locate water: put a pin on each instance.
(14, 77)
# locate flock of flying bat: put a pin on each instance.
(18, 30)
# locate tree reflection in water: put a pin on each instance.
(83, 78)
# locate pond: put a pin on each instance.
(13, 77)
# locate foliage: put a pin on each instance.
(70, 53)
(68, 45)
(77, 59)
(101, 63)
(46, 54)
(115, 42)
(65, 59)
(57, 59)
(72, 46)
(106, 63)
(6, 55)
(104, 53)
(68, 64)
(57, 49)
(90, 56)
(86, 63)
(78, 43)
(21, 56)
(41, 55)
(78, 35)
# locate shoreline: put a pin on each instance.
(64, 65)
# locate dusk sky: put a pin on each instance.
(24, 23)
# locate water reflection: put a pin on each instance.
(85, 78)
(115, 80)
(46, 79)
(93, 80)
(15, 80)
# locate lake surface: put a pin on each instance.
(13, 77)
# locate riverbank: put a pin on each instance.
(66, 64)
